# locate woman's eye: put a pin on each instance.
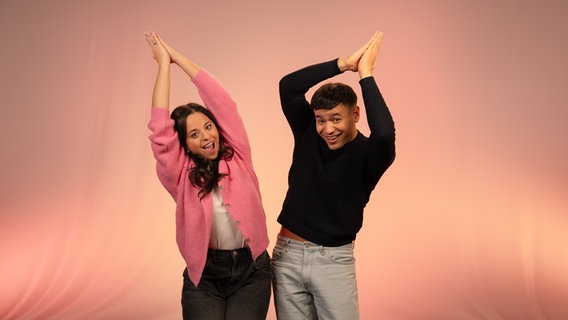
(194, 135)
(208, 127)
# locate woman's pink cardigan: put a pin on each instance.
(239, 189)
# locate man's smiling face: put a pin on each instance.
(337, 126)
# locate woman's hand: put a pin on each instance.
(165, 54)
(175, 56)
(158, 48)
(161, 93)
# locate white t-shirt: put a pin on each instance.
(225, 235)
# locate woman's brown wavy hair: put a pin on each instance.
(205, 173)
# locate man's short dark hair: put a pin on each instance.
(329, 95)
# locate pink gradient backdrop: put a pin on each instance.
(469, 223)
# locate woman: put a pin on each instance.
(220, 222)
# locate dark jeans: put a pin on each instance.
(233, 286)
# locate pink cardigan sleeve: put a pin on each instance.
(222, 105)
(171, 162)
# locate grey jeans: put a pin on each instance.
(313, 281)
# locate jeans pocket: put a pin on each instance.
(279, 250)
(263, 260)
(340, 255)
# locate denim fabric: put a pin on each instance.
(313, 281)
(233, 286)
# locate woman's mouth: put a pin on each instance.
(209, 147)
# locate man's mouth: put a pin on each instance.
(332, 138)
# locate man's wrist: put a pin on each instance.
(341, 64)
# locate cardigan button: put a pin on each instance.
(227, 206)
(247, 240)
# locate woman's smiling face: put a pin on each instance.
(202, 136)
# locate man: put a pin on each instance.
(333, 172)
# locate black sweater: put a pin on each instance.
(328, 189)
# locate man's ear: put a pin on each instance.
(356, 113)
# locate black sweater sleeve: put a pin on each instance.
(381, 124)
(293, 88)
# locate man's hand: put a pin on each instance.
(369, 58)
(351, 62)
